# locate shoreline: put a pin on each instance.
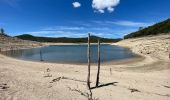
(141, 57)
(147, 78)
(112, 62)
(118, 61)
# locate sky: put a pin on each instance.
(76, 18)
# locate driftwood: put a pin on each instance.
(88, 53)
(41, 59)
(98, 72)
(134, 90)
(88, 76)
(4, 86)
(56, 79)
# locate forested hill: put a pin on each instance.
(94, 39)
(159, 28)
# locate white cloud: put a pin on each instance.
(76, 4)
(109, 29)
(101, 5)
(110, 9)
(130, 23)
(70, 31)
(71, 28)
(124, 23)
(56, 33)
(53, 28)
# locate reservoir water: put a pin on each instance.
(72, 53)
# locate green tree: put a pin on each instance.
(2, 31)
(159, 28)
(141, 28)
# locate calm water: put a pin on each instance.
(72, 53)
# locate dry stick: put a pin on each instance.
(88, 77)
(41, 56)
(110, 71)
(98, 73)
(88, 53)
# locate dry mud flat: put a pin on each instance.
(146, 79)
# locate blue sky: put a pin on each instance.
(75, 18)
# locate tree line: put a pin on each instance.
(159, 28)
(94, 39)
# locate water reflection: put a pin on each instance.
(72, 53)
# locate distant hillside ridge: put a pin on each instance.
(159, 28)
(4, 38)
(94, 39)
(8, 39)
(13, 43)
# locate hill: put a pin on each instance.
(94, 39)
(159, 28)
(14, 43)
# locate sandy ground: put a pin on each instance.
(144, 79)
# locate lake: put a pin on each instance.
(72, 53)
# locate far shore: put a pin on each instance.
(73, 43)
(17, 46)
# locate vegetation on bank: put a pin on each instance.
(94, 39)
(2, 32)
(159, 28)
